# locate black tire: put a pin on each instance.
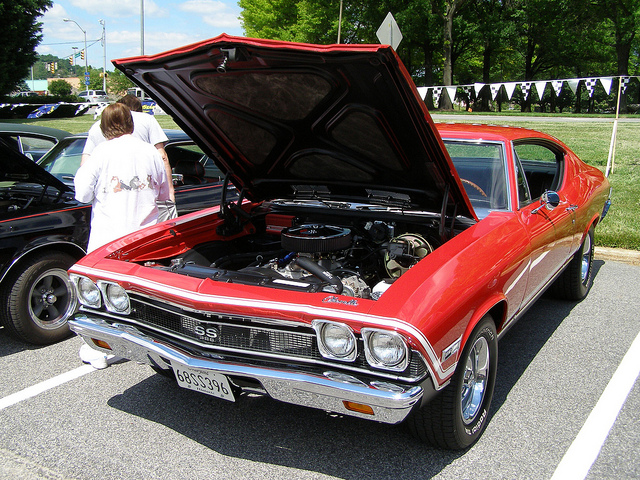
(451, 420)
(40, 300)
(575, 281)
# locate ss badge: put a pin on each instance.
(210, 332)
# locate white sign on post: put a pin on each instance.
(389, 32)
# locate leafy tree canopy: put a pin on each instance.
(19, 36)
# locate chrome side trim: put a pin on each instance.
(391, 403)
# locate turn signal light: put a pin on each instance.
(101, 343)
(358, 407)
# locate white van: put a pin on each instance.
(94, 96)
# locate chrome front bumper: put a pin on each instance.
(391, 403)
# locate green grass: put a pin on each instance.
(589, 140)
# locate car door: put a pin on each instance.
(539, 169)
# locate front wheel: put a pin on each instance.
(40, 300)
(575, 281)
(456, 418)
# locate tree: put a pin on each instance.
(19, 36)
(118, 83)
(60, 88)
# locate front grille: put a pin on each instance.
(245, 335)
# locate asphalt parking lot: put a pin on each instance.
(62, 420)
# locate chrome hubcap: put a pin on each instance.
(586, 259)
(474, 383)
(51, 299)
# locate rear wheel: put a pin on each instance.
(40, 300)
(456, 418)
(576, 280)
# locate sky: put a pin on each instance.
(167, 25)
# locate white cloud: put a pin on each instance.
(120, 8)
(213, 12)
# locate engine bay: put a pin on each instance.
(353, 255)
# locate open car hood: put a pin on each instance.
(286, 120)
(15, 167)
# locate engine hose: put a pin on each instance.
(316, 270)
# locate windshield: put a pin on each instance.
(482, 170)
(64, 159)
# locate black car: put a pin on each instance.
(44, 230)
(32, 140)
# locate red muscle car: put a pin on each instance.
(373, 259)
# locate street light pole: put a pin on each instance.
(104, 58)
(86, 54)
(141, 27)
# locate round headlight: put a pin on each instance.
(88, 293)
(385, 349)
(117, 298)
(335, 340)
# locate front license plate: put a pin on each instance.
(203, 381)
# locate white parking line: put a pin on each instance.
(586, 447)
(44, 386)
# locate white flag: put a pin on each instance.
(422, 91)
(495, 88)
(477, 87)
(540, 86)
(573, 84)
(510, 88)
(557, 87)
(525, 87)
(606, 83)
(451, 91)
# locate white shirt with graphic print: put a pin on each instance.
(122, 180)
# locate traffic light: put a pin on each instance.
(71, 60)
(52, 67)
(82, 54)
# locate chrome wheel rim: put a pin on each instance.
(51, 299)
(474, 382)
(586, 260)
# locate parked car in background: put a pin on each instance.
(44, 230)
(31, 140)
(377, 259)
(94, 96)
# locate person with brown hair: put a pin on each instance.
(123, 178)
(146, 128)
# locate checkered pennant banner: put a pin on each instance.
(526, 88)
(590, 83)
(625, 82)
(468, 89)
(495, 88)
(436, 92)
(557, 86)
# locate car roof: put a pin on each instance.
(25, 128)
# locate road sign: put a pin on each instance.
(86, 75)
(389, 32)
(86, 81)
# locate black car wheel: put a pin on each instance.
(40, 300)
(576, 280)
(456, 418)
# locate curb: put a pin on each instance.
(632, 257)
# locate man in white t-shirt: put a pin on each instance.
(123, 178)
(146, 128)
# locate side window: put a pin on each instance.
(542, 167)
(524, 197)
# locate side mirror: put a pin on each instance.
(548, 200)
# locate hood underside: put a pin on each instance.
(341, 122)
(15, 167)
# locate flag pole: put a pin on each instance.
(612, 146)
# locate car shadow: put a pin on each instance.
(262, 430)
(10, 345)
